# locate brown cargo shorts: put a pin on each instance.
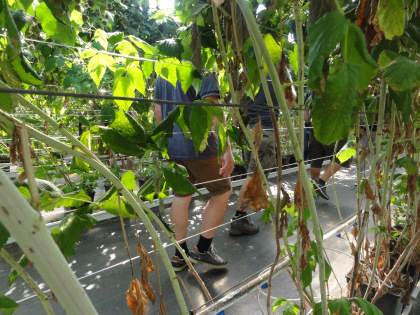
(206, 173)
(266, 155)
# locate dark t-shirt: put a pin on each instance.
(179, 147)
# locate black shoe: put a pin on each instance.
(178, 263)
(209, 258)
(243, 225)
(320, 189)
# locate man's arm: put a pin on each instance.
(158, 113)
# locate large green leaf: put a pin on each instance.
(332, 110)
(357, 53)
(200, 124)
(119, 143)
(139, 136)
(126, 48)
(6, 102)
(123, 86)
(138, 79)
(4, 235)
(167, 125)
(102, 38)
(339, 306)
(129, 180)
(323, 37)
(113, 206)
(97, 66)
(307, 275)
(171, 47)
(178, 181)
(281, 301)
(367, 307)
(221, 139)
(49, 203)
(122, 124)
(168, 70)
(404, 101)
(184, 74)
(148, 49)
(57, 30)
(7, 306)
(147, 69)
(67, 233)
(391, 17)
(401, 73)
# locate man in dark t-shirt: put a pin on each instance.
(241, 224)
(202, 168)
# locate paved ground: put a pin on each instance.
(102, 267)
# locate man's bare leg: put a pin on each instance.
(179, 216)
(214, 213)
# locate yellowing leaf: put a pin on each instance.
(273, 48)
(123, 86)
(391, 17)
(136, 299)
(97, 66)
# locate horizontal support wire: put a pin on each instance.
(145, 100)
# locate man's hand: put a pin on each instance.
(228, 163)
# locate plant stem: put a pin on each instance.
(29, 230)
(28, 279)
(253, 28)
(371, 180)
(139, 207)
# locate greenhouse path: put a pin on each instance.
(102, 266)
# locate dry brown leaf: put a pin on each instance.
(355, 231)
(146, 267)
(306, 243)
(255, 193)
(411, 185)
(363, 153)
(21, 177)
(162, 309)
(301, 202)
(136, 298)
(376, 209)
(369, 192)
(353, 249)
(257, 134)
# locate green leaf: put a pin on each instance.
(13, 275)
(4, 235)
(123, 86)
(129, 180)
(147, 68)
(323, 37)
(307, 275)
(274, 49)
(292, 227)
(49, 203)
(113, 207)
(221, 139)
(171, 47)
(409, 164)
(278, 302)
(292, 309)
(57, 30)
(119, 143)
(332, 110)
(68, 232)
(159, 15)
(346, 154)
(137, 76)
(266, 213)
(391, 17)
(101, 37)
(200, 126)
(50, 63)
(25, 72)
(184, 74)
(357, 53)
(122, 124)
(126, 48)
(6, 102)
(97, 66)
(168, 70)
(340, 306)
(403, 101)
(115, 37)
(367, 307)
(148, 49)
(167, 125)
(402, 74)
(7, 306)
(178, 181)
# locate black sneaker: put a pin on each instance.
(243, 225)
(209, 258)
(178, 263)
(320, 189)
